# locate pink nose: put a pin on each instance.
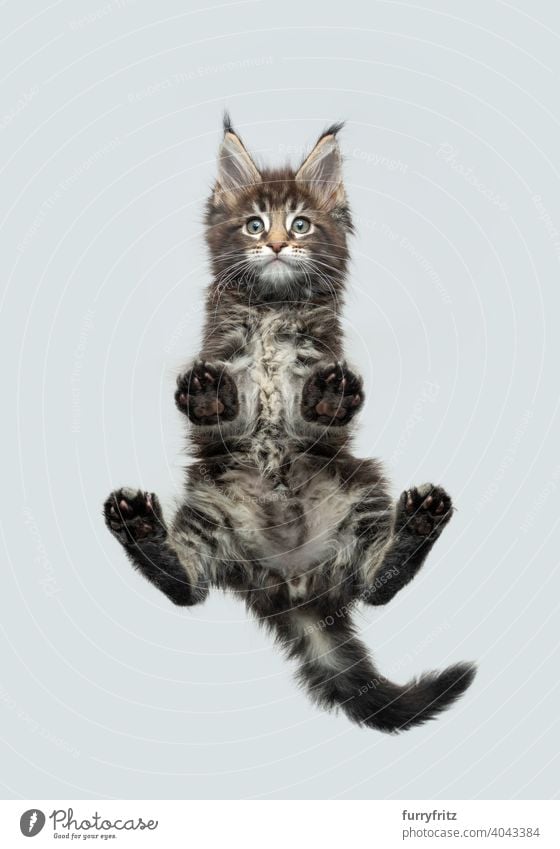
(277, 246)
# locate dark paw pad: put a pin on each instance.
(425, 510)
(132, 515)
(332, 395)
(206, 394)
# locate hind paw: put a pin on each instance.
(424, 510)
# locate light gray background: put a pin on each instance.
(109, 122)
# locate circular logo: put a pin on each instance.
(31, 822)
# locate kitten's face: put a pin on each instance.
(279, 246)
(279, 234)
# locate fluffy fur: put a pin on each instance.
(276, 508)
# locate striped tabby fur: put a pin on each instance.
(276, 508)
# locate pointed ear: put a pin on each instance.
(321, 172)
(236, 169)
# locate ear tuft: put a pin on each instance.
(322, 170)
(333, 130)
(228, 126)
(236, 169)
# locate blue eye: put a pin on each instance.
(254, 226)
(301, 225)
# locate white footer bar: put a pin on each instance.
(286, 824)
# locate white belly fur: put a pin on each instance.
(287, 528)
(289, 523)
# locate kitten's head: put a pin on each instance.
(279, 234)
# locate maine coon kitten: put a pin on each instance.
(276, 508)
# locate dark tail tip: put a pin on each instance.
(434, 693)
(453, 681)
(392, 708)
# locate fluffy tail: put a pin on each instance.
(337, 672)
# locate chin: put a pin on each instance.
(279, 275)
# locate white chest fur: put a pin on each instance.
(269, 373)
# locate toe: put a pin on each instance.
(425, 489)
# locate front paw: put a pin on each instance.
(207, 394)
(424, 511)
(132, 516)
(332, 395)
